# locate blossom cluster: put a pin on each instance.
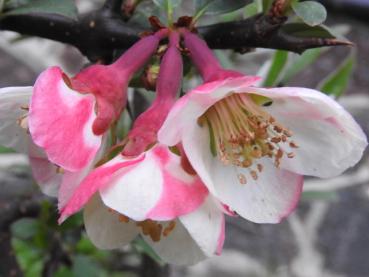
(225, 148)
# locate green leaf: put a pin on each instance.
(311, 12)
(62, 7)
(301, 62)
(166, 3)
(1, 5)
(25, 228)
(63, 271)
(29, 258)
(279, 62)
(319, 195)
(84, 266)
(251, 10)
(215, 7)
(168, 6)
(4, 150)
(336, 83)
(266, 4)
(303, 30)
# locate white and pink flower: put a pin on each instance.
(251, 146)
(145, 190)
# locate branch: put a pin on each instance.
(257, 32)
(100, 32)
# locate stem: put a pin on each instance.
(170, 12)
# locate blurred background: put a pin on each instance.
(328, 234)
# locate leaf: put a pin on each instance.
(301, 62)
(336, 83)
(319, 195)
(25, 228)
(1, 5)
(251, 10)
(266, 4)
(303, 30)
(66, 8)
(85, 266)
(4, 150)
(279, 62)
(311, 12)
(29, 258)
(173, 3)
(215, 7)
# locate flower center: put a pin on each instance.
(242, 132)
(154, 229)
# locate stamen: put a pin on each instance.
(242, 131)
(156, 230)
(169, 228)
(123, 218)
(242, 179)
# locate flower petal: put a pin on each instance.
(104, 228)
(60, 121)
(195, 236)
(45, 173)
(191, 106)
(329, 139)
(76, 196)
(157, 188)
(11, 100)
(266, 200)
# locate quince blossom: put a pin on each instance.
(145, 190)
(251, 146)
(62, 118)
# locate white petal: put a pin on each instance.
(178, 247)
(45, 173)
(267, 200)
(135, 190)
(195, 237)
(104, 228)
(11, 101)
(329, 139)
(191, 106)
(206, 225)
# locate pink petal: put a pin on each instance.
(97, 179)
(157, 188)
(60, 121)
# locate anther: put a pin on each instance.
(254, 174)
(242, 179)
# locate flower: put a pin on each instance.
(145, 190)
(62, 118)
(251, 146)
(185, 240)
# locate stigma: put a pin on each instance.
(241, 133)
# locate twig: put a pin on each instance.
(99, 33)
